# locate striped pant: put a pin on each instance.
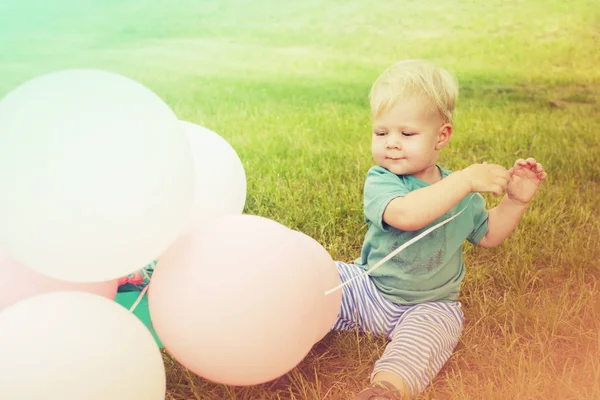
(422, 336)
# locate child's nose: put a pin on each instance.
(393, 142)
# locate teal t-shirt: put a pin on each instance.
(430, 269)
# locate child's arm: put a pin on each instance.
(421, 207)
(525, 178)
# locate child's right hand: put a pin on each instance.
(485, 177)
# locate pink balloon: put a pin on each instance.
(18, 283)
(236, 301)
(329, 278)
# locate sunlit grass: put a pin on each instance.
(286, 84)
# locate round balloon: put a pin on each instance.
(234, 300)
(74, 346)
(18, 282)
(220, 177)
(317, 257)
(96, 175)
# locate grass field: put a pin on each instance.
(286, 84)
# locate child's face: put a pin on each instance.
(406, 138)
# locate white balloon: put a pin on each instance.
(220, 177)
(317, 257)
(96, 175)
(74, 346)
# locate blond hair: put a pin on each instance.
(410, 78)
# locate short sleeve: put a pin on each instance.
(381, 187)
(480, 219)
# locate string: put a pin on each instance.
(373, 268)
(143, 292)
(398, 250)
(137, 301)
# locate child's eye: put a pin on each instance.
(408, 134)
(380, 133)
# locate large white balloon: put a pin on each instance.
(220, 176)
(74, 346)
(317, 257)
(249, 300)
(96, 175)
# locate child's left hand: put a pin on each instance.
(525, 178)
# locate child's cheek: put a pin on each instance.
(413, 147)
(378, 151)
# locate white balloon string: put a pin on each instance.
(143, 292)
(137, 301)
(398, 250)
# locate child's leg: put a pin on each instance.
(363, 307)
(421, 343)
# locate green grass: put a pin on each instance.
(286, 84)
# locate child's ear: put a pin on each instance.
(443, 136)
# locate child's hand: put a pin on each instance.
(525, 179)
(487, 178)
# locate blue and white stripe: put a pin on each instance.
(422, 336)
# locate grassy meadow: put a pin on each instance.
(286, 84)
